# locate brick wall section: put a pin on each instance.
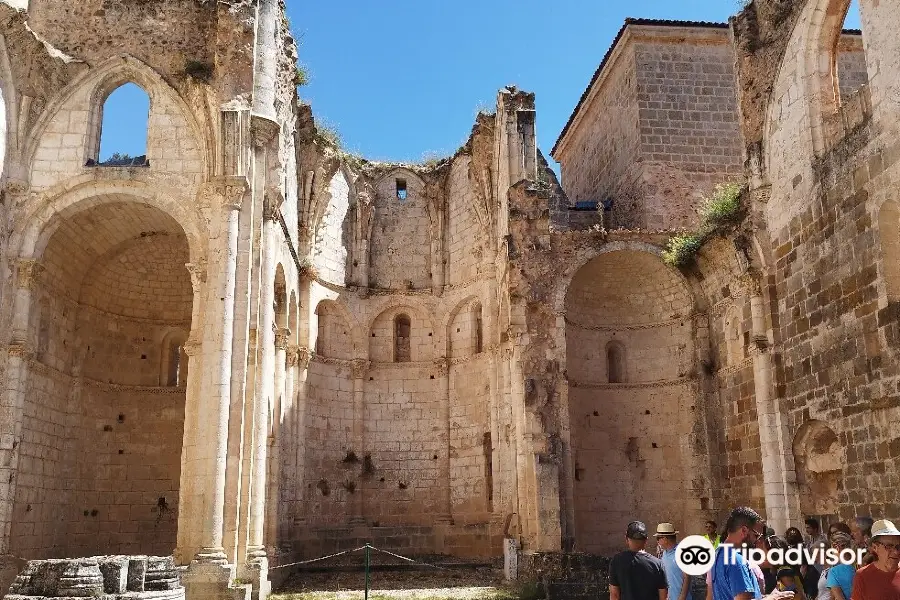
(88, 29)
(465, 241)
(601, 159)
(688, 123)
(851, 64)
(400, 244)
(328, 435)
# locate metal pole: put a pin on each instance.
(367, 571)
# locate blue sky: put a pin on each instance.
(402, 80)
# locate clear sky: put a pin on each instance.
(402, 80)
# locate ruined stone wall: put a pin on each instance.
(688, 118)
(87, 29)
(332, 239)
(328, 437)
(600, 161)
(851, 64)
(466, 242)
(72, 136)
(400, 242)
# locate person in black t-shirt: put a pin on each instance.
(634, 574)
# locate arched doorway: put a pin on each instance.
(103, 421)
(819, 460)
(629, 354)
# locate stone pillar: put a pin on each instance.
(291, 438)
(203, 464)
(360, 369)
(303, 357)
(493, 421)
(193, 348)
(277, 439)
(12, 396)
(263, 398)
(442, 365)
(779, 478)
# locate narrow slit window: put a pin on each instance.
(177, 366)
(123, 132)
(615, 362)
(401, 189)
(477, 328)
(402, 350)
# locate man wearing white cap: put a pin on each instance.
(881, 579)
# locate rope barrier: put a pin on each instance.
(408, 559)
(312, 560)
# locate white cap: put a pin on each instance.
(883, 527)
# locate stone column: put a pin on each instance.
(494, 424)
(442, 365)
(303, 357)
(360, 368)
(277, 439)
(193, 348)
(205, 462)
(288, 449)
(12, 396)
(779, 478)
(256, 551)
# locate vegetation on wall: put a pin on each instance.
(719, 214)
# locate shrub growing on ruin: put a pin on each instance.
(682, 248)
(724, 207)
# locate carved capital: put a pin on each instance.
(272, 202)
(262, 131)
(292, 355)
(251, 341)
(193, 347)
(198, 275)
(15, 187)
(303, 356)
(227, 192)
(282, 335)
(360, 367)
(442, 366)
(29, 272)
(20, 349)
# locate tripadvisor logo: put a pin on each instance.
(695, 555)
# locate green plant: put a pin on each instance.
(530, 590)
(682, 248)
(308, 270)
(724, 207)
(327, 135)
(301, 76)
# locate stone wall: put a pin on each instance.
(332, 237)
(400, 241)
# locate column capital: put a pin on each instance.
(443, 366)
(15, 187)
(192, 347)
(292, 355)
(303, 357)
(229, 192)
(272, 202)
(198, 275)
(251, 341)
(29, 272)
(263, 130)
(282, 334)
(19, 348)
(360, 367)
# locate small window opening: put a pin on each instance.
(615, 362)
(401, 189)
(477, 329)
(402, 328)
(123, 132)
(177, 366)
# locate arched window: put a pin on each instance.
(177, 366)
(477, 329)
(174, 362)
(321, 330)
(401, 339)
(615, 362)
(123, 132)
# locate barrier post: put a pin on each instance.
(367, 571)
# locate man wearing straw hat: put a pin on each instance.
(679, 581)
(881, 579)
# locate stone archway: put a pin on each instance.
(629, 428)
(102, 431)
